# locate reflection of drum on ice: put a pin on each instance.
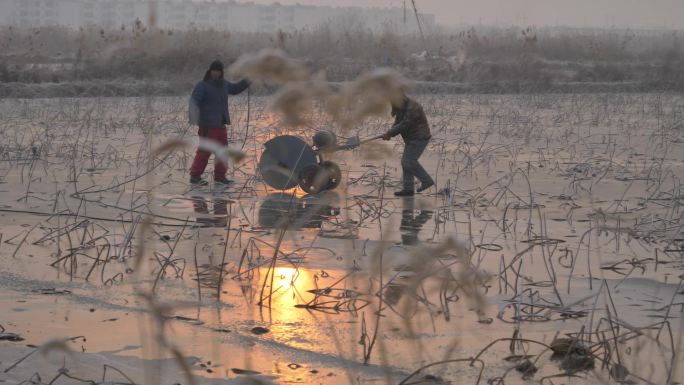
(282, 210)
(288, 161)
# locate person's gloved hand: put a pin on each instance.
(386, 136)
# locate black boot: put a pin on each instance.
(425, 186)
(198, 181)
(223, 182)
(403, 193)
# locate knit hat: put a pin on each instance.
(216, 65)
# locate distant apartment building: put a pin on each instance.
(189, 14)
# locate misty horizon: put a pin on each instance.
(634, 14)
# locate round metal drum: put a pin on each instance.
(334, 174)
(313, 178)
(325, 140)
(283, 159)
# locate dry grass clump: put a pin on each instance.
(225, 154)
(269, 65)
(295, 100)
(371, 94)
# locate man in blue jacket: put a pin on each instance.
(209, 111)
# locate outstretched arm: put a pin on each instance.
(398, 128)
(236, 88)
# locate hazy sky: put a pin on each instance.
(579, 13)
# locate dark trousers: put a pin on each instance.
(202, 156)
(413, 149)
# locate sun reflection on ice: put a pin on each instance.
(290, 288)
(291, 324)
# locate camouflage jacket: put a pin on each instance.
(410, 121)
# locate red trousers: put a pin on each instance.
(202, 156)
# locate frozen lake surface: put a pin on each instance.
(555, 216)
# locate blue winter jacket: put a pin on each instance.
(209, 102)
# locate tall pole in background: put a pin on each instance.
(404, 12)
(420, 27)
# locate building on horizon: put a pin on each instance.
(188, 14)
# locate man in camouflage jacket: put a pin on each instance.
(411, 123)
